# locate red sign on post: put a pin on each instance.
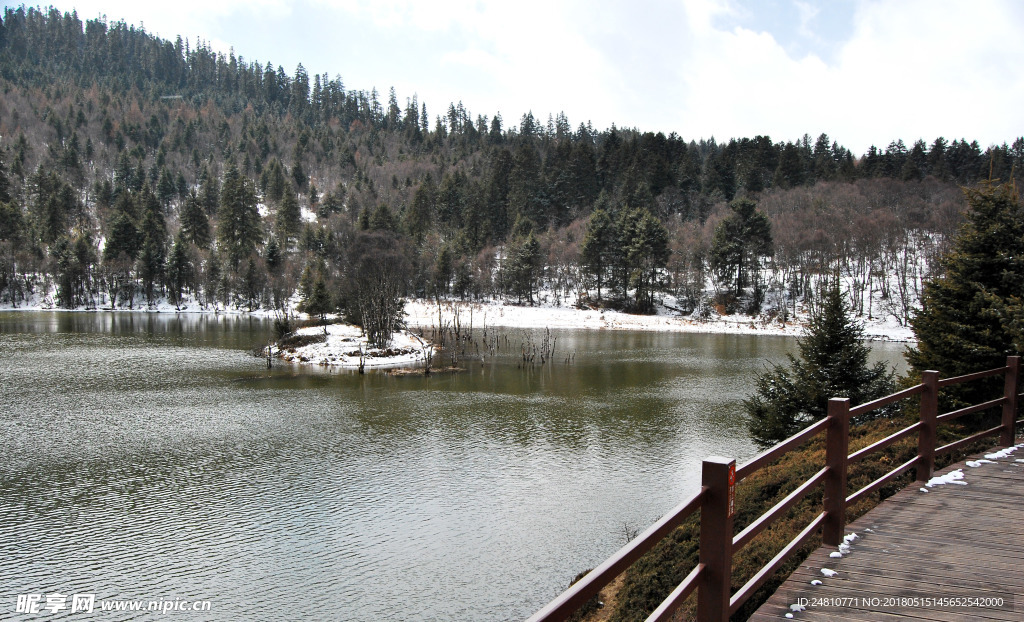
(732, 489)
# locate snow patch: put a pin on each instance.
(953, 477)
(1003, 453)
(835, 554)
(977, 463)
(797, 607)
(816, 582)
(828, 572)
(346, 346)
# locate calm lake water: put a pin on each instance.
(152, 457)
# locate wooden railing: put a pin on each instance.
(717, 495)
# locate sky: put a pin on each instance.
(865, 72)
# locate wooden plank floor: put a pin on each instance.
(953, 542)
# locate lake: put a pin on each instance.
(153, 458)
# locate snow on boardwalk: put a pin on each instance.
(945, 552)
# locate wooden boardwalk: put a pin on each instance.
(954, 542)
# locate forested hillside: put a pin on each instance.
(136, 169)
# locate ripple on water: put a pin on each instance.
(142, 465)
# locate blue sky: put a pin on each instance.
(863, 71)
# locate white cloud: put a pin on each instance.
(910, 70)
(916, 68)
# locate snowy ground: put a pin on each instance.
(346, 346)
(424, 313)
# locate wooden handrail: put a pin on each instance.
(945, 449)
(882, 481)
(867, 407)
(769, 569)
(587, 587)
(978, 375)
(776, 451)
(769, 517)
(711, 578)
(860, 454)
(678, 595)
(970, 410)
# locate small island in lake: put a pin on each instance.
(347, 346)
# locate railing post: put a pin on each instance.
(716, 514)
(837, 449)
(1010, 389)
(929, 427)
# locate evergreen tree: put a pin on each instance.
(646, 247)
(5, 184)
(180, 271)
(153, 254)
(966, 322)
(790, 171)
(12, 224)
(273, 256)
(383, 220)
(195, 225)
(238, 229)
(54, 205)
(418, 217)
(833, 362)
(72, 259)
(525, 194)
(523, 267)
(209, 193)
(739, 243)
(598, 245)
(316, 298)
(123, 238)
(289, 217)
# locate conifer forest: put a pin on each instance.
(135, 169)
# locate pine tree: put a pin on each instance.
(153, 255)
(180, 272)
(597, 246)
(318, 302)
(195, 225)
(383, 220)
(238, 229)
(646, 248)
(273, 256)
(967, 317)
(833, 362)
(740, 241)
(5, 184)
(209, 193)
(12, 223)
(123, 238)
(289, 217)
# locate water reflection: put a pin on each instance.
(150, 456)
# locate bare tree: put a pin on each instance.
(375, 283)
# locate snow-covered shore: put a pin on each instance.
(423, 313)
(343, 344)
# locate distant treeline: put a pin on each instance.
(135, 168)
